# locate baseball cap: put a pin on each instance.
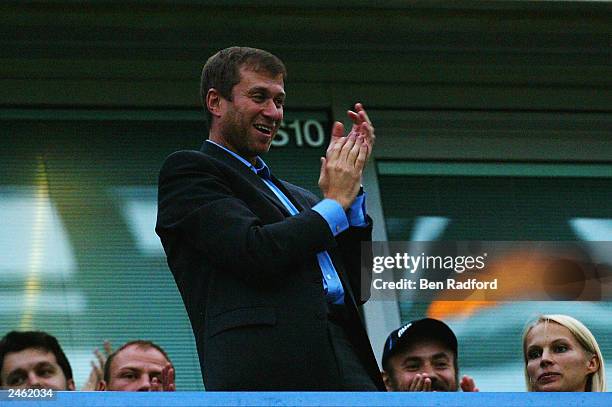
(421, 328)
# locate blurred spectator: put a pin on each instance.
(138, 366)
(561, 354)
(97, 367)
(422, 356)
(33, 359)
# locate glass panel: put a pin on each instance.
(447, 207)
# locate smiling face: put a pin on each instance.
(248, 123)
(555, 359)
(33, 368)
(427, 356)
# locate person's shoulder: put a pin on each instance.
(183, 157)
(190, 162)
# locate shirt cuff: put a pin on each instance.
(333, 214)
(356, 213)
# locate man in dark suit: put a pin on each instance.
(270, 276)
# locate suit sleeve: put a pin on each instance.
(197, 206)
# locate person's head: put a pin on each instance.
(243, 94)
(33, 359)
(133, 366)
(561, 354)
(426, 346)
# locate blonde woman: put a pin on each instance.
(561, 354)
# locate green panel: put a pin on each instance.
(420, 54)
(125, 294)
(494, 208)
(496, 170)
(485, 137)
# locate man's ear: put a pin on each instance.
(386, 380)
(101, 385)
(214, 101)
(70, 385)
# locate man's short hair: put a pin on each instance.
(16, 341)
(138, 343)
(419, 330)
(222, 70)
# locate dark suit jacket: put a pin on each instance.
(249, 277)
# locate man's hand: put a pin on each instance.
(420, 382)
(97, 369)
(167, 380)
(362, 125)
(341, 169)
(468, 385)
(346, 157)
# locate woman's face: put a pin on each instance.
(555, 359)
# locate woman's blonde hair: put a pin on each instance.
(596, 381)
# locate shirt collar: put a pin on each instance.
(260, 168)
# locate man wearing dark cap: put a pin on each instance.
(422, 356)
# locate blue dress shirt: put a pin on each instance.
(330, 210)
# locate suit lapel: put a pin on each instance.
(298, 200)
(249, 175)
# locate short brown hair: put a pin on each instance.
(222, 70)
(139, 343)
